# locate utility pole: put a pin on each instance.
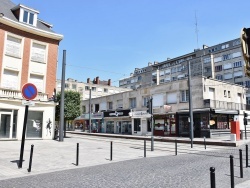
(151, 122)
(89, 110)
(190, 106)
(62, 98)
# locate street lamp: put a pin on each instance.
(89, 110)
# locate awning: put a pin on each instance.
(194, 110)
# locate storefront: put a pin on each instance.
(165, 125)
(117, 122)
(40, 120)
(140, 122)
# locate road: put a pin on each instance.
(189, 169)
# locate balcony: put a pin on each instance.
(16, 94)
(208, 103)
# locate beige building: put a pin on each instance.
(215, 104)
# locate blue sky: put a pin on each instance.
(110, 38)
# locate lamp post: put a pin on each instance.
(190, 105)
(89, 110)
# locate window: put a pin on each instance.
(10, 79)
(236, 42)
(132, 102)
(38, 53)
(236, 54)
(224, 46)
(238, 74)
(28, 17)
(128, 81)
(161, 80)
(174, 78)
(86, 88)
(74, 86)
(119, 103)
(247, 84)
(139, 78)
(66, 85)
(13, 46)
(167, 79)
(96, 107)
(171, 98)
(184, 96)
(83, 109)
(219, 77)
(106, 90)
(173, 70)
(161, 73)
(110, 105)
(226, 57)
(207, 60)
(225, 93)
(228, 94)
(217, 59)
(93, 88)
(248, 100)
(227, 66)
(145, 101)
(37, 80)
(237, 64)
(137, 124)
(228, 76)
(168, 71)
(240, 83)
(218, 68)
(35, 124)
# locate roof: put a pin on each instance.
(7, 7)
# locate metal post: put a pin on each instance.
(89, 110)
(111, 150)
(20, 164)
(190, 106)
(62, 98)
(205, 142)
(246, 156)
(232, 170)
(241, 164)
(31, 156)
(212, 177)
(175, 147)
(77, 154)
(152, 143)
(144, 147)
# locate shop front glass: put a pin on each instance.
(170, 125)
(183, 125)
(137, 125)
(34, 125)
(6, 130)
(110, 127)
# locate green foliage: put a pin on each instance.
(71, 105)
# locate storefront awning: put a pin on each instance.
(194, 110)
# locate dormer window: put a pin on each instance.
(25, 14)
(28, 17)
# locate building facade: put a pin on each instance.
(217, 103)
(28, 54)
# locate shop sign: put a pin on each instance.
(140, 114)
(117, 113)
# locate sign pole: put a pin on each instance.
(23, 136)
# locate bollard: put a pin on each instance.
(31, 156)
(111, 150)
(246, 156)
(205, 142)
(145, 148)
(152, 143)
(241, 164)
(175, 147)
(77, 154)
(232, 170)
(212, 177)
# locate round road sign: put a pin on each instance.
(29, 91)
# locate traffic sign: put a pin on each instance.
(29, 103)
(29, 91)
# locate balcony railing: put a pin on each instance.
(208, 103)
(16, 94)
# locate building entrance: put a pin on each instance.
(5, 125)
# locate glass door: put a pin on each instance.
(5, 125)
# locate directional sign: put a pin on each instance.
(29, 91)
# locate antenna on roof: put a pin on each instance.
(196, 30)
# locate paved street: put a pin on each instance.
(54, 164)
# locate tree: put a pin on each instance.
(71, 106)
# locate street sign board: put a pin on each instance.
(29, 91)
(29, 103)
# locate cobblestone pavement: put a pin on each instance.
(53, 164)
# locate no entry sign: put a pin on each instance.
(29, 91)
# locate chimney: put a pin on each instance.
(88, 80)
(109, 82)
(97, 80)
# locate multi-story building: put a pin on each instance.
(222, 61)
(28, 54)
(215, 104)
(98, 88)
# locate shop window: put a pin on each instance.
(132, 102)
(35, 125)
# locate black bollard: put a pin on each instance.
(175, 147)
(152, 143)
(246, 156)
(241, 164)
(31, 156)
(212, 177)
(145, 148)
(205, 142)
(77, 154)
(111, 150)
(232, 170)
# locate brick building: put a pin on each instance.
(28, 54)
